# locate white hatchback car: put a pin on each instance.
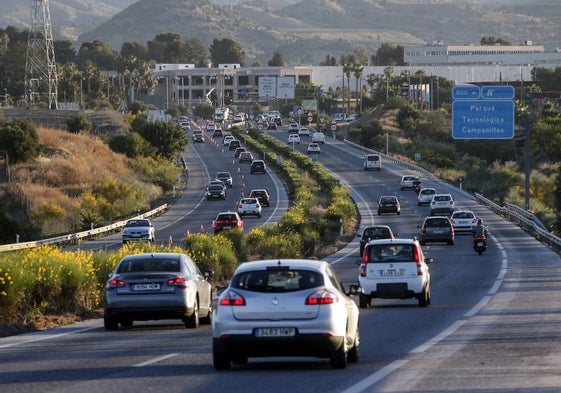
(285, 307)
(425, 196)
(313, 148)
(394, 269)
(304, 131)
(294, 138)
(293, 127)
(463, 220)
(442, 204)
(249, 207)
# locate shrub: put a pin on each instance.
(19, 139)
(78, 124)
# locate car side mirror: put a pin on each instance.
(428, 261)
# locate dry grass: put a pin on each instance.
(69, 164)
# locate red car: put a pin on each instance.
(227, 220)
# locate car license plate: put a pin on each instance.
(479, 244)
(275, 332)
(391, 273)
(146, 287)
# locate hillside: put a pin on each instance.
(307, 31)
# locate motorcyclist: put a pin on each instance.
(479, 230)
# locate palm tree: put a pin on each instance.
(357, 72)
(347, 71)
(388, 72)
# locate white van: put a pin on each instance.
(372, 161)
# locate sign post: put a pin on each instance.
(485, 112)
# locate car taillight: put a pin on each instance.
(179, 282)
(362, 269)
(114, 283)
(321, 297)
(231, 298)
(417, 259)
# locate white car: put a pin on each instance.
(425, 196)
(210, 126)
(293, 127)
(294, 138)
(304, 131)
(394, 269)
(318, 137)
(442, 204)
(463, 220)
(227, 139)
(138, 229)
(285, 307)
(313, 148)
(249, 206)
(407, 181)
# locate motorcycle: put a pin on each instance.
(480, 244)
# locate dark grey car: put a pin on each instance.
(436, 229)
(215, 192)
(156, 286)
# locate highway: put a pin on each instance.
(493, 324)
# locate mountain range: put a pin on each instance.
(304, 31)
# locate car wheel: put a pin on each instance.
(221, 360)
(398, 213)
(240, 360)
(259, 215)
(424, 297)
(450, 242)
(364, 300)
(352, 356)
(127, 323)
(338, 359)
(192, 321)
(110, 323)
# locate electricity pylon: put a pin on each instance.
(40, 66)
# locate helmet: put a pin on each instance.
(480, 222)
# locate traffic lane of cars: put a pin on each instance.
(185, 215)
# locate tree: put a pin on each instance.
(347, 71)
(357, 72)
(135, 49)
(390, 55)
(99, 53)
(276, 60)
(19, 138)
(494, 41)
(167, 48)
(226, 51)
(64, 51)
(167, 137)
(196, 52)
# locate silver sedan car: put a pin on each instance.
(286, 307)
(157, 286)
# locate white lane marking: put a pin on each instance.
(155, 360)
(374, 378)
(21, 340)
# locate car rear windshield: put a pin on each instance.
(382, 253)
(137, 223)
(376, 233)
(437, 222)
(289, 280)
(227, 217)
(149, 265)
(442, 198)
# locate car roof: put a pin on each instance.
(311, 264)
(398, 240)
(159, 255)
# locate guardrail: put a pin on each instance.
(524, 219)
(74, 237)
